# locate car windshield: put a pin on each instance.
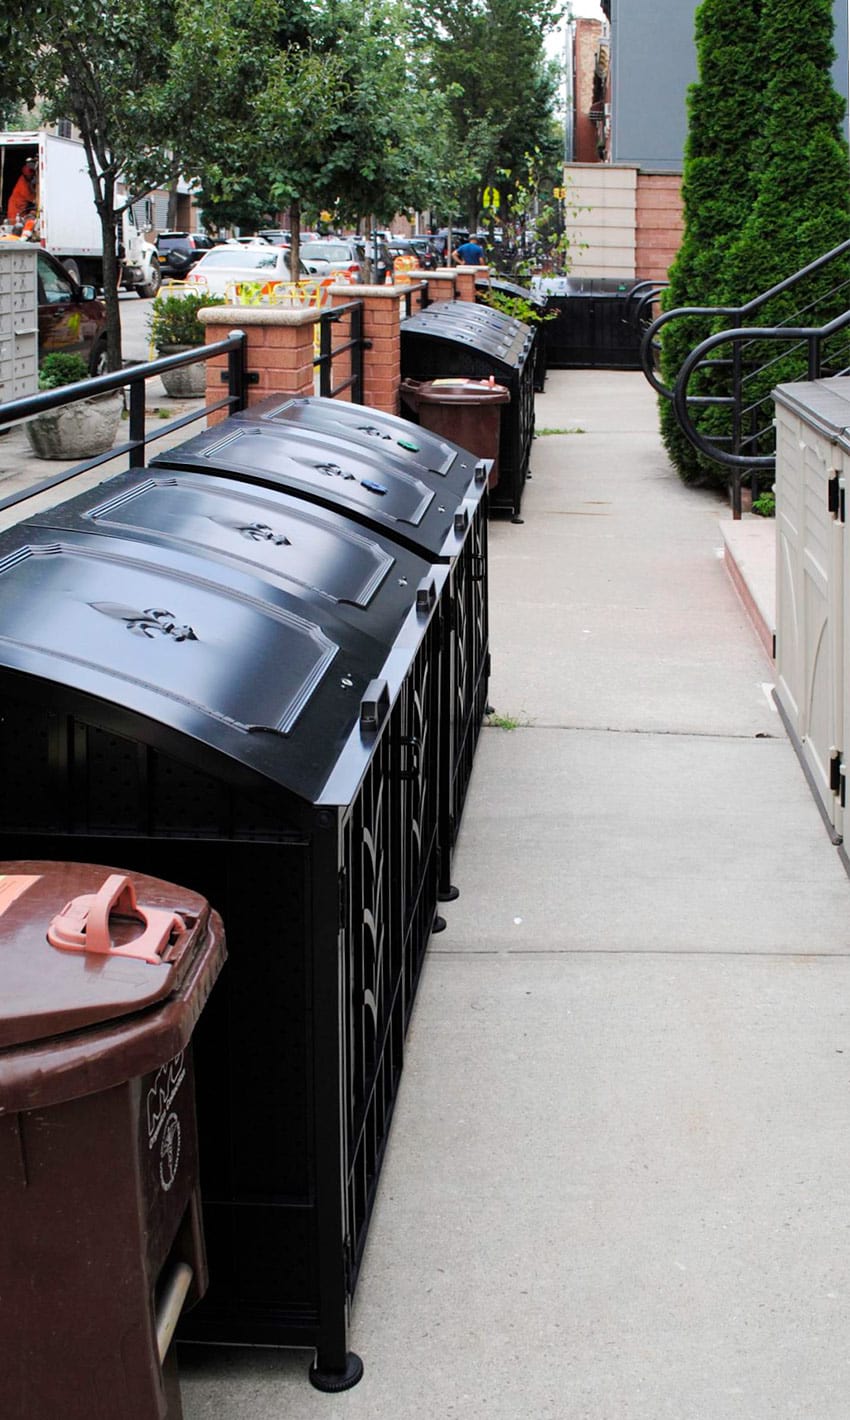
(242, 258)
(329, 251)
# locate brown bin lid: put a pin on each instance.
(50, 990)
(462, 391)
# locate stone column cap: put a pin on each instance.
(239, 316)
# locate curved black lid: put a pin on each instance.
(441, 337)
(313, 552)
(424, 453)
(194, 657)
(335, 472)
(539, 299)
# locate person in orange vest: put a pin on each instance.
(22, 199)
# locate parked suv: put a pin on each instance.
(71, 320)
(347, 255)
(180, 250)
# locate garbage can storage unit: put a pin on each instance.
(429, 496)
(435, 345)
(471, 409)
(163, 708)
(591, 329)
(538, 300)
(812, 467)
(103, 976)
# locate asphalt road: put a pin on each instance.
(134, 326)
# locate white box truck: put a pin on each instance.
(66, 221)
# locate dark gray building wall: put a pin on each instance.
(653, 60)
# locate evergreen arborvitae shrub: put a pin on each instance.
(802, 206)
(718, 190)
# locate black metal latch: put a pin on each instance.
(835, 497)
(837, 777)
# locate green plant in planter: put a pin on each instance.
(516, 306)
(174, 326)
(173, 320)
(78, 430)
(61, 369)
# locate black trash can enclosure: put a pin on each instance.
(591, 329)
(539, 300)
(103, 976)
(196, 718)
(435, 503)
(451, 338)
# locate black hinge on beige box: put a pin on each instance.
(836, 773)
(835, 497)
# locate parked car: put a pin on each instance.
(225, 265)
(276, 235)
(347, 256)
(178, 251)
(418, 247)
(426, 251)
(440, 241)
(70, 317)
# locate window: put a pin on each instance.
(63, 128)
(54, 286)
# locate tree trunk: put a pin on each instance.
(295, 231)
(111, 271)
(171, 216)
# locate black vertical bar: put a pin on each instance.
(736, 495)
(237, 370)
(357, 353)
(330, 1089)
(325, 354)
(137, 422)
(814, 357)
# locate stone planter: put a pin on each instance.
(76, 431)
(188, 383)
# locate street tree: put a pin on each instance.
(102, 65)
(489, 59)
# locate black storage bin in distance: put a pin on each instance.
(192, 721)
(435, 504)
(435, 346)
(538, 300)
(591, 329)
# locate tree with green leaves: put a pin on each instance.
(718, 190)
(766, 192)
(102, 65)
(489, 59)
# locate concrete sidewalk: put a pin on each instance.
(616, 1187)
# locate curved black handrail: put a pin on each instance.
(649, 342)
(810, 336)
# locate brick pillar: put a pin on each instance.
(441, 284)
(465, 278)
(279, 354)
(382, 306)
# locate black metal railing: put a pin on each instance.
(739, 316)
(353, 347)
(759, 356)
(133, 378)
(640, 305)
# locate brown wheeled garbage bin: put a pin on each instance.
(102, 978)
(466, 411)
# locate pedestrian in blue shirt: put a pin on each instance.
(469, 254)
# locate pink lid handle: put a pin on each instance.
(83, 923)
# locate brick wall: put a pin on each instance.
(658, 223)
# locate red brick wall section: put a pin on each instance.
(465, 278)
(586, 43)
(280, 350)
(382, 306)
(658, 222)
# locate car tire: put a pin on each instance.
(73, 271)
(97, 359)
(148, 291)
